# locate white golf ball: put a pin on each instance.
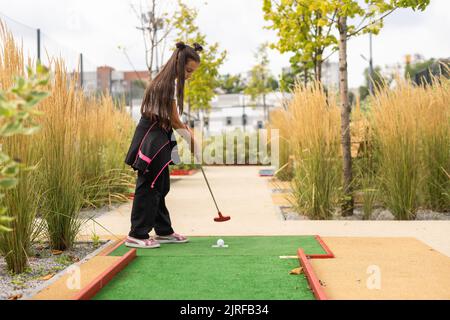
(220, 242)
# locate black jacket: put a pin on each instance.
(151, 148)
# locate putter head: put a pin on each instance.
(221, 218)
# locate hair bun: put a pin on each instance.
(198, 47)
(181, 45)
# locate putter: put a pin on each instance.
(220, 218)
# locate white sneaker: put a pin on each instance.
(173, 238)
(141, 243)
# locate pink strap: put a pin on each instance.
(160, 149)
(153, 183)
(144, 157)
(144, 139)
(147, 159)
(178, 236)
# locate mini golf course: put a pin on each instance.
(258, 267)
(249, 268)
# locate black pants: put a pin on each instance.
(149, 208)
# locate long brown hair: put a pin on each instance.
(157, 102)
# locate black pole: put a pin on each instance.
(371, 88)
(39, 44)
(81, 71)
(110, 83)
(244, 120)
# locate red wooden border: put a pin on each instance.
(329, 254)
(314, 282)
(111, 248)
(98, 283)
(182, 172)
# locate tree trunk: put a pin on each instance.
(152, 19)
(265, 107)
(347, 204)
(319, 71)
(306, 75)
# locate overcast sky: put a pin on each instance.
(98, 27)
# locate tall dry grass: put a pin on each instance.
(22, 201)
(105, 134)
(80, 150)
(411, 132)
(58, 146)
(365, 165)
(311, 124)
(278, 119)
(83, 144)
(401, 149)
(435, 145)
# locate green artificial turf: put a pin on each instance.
(207, 278)
(241, 246)
(250, 268)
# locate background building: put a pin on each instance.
(229, 112)
(128, 84)
(330, 75)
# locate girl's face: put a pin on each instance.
(190, 67)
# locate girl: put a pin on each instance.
(153, 148)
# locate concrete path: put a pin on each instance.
(246, 197)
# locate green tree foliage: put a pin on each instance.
(231, 83)
(261, 81)
(414, 68)
(304, 29)
(377, 78)
(199, 90)
(296, 74)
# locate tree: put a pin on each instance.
(375, 12)
(424, 73)
(231, 83)
(335, 13)
(287, 81)
(295, 74)
(261, 81)
(150, 23)
(378, 80)
(199, 89)
(412, 69)
(302, 29)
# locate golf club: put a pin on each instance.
(220, 218)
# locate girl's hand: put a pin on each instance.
(196, 149)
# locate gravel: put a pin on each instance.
(378, 214)
(42, 263)
(432, 215)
